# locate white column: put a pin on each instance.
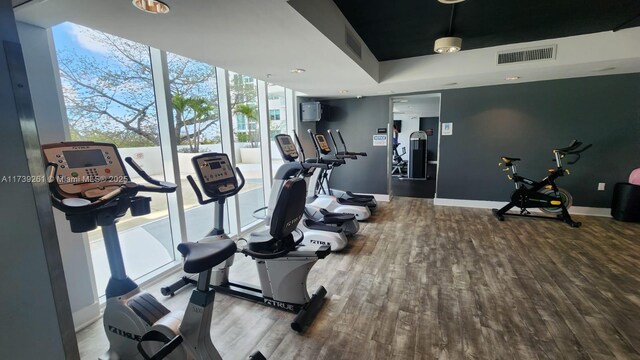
(265, 141)
(226, 134)
(292, 110)
(168, 146)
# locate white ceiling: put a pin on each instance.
(260, 37)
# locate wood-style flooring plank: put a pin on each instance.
(426, 282)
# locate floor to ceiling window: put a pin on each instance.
(246, 127)
(108, 89)
(109, 97)
(194, 98)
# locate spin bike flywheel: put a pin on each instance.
(565, 197)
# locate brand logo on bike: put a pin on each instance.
(125, 334)
(318, 242)
(279, 304)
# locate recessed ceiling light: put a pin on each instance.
(450, 1)
(447, 45)
(151, 6)
(512, 78)
(344, 91)
(297, 71)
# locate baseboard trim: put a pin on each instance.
(381, 197)
(482, 204)
(86, 316)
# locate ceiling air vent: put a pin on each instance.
(353, 43)
(526, 55)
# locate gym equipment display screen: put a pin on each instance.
(84, 158)
(286, 141)
(215, 165)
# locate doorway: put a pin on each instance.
(414, 117)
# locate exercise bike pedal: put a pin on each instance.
(497, 215)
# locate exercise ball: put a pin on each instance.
(634, 178)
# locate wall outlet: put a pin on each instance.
(600, 186)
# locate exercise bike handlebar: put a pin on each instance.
(160, 186)
(129, 188)
(572, 149)
(201, 199)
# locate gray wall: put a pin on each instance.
(522, 120)
(358, 120)
(35, 310)
(527, 121)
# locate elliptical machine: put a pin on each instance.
(324, 181)
(543, 194)
(331, 203)
(283, 264)
(89, 183)
(320, 227)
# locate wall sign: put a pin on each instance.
(379, 140)
(382, 130)
(447, 129)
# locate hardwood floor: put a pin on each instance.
(425, 282)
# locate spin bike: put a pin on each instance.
(282, 263)
(89, 183)
(543, 194)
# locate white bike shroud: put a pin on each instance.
(331, 203)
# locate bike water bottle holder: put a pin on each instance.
(140, 205)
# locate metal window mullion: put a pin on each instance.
(265, 141)
(168, 145)
(290, 106)
(228, 144)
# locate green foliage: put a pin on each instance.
(194, 114)
(242, 137)
(250, 112)
(122, 139)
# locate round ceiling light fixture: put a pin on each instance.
(449, 2)
(151, 6)
(344, 91)
(512, 78)
(447, 45)
(297, 71)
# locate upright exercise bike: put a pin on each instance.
(89, 183)
(282, 263)
(544, 194)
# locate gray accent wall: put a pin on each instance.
(527, 121)
(358, 120)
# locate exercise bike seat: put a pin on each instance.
(201, 257)
(509, 159)
(336, 218)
